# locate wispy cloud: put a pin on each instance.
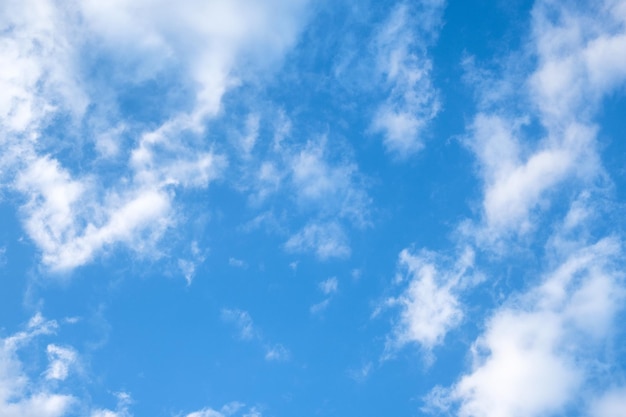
(25, 392)
(327, 240)
(316, 183)
(329, 288)
(404, 64)
(248, 331)
(16, 399)
(242, 321)
(276, 353)
(361, 374)
(317, 308)
(189, 265)
(237, 263)
(230, 409)
(73, 216)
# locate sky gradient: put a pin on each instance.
(275, 208)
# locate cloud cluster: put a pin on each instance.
(544, 348)
(21, 397)
(574, 50)
(73, 214)
(23, 393)
(522, 169)
(316, 182)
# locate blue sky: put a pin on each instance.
(280, 208)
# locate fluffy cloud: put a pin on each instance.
(429, 306)
(574, 49)
(62, 215)
(539, 351)
(577, 50)
(61, 360)
(515, 179)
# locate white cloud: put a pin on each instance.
(327, 240)
(122, 410)
(108, 142)
(516, 181)
(610, 404)
(69, 215)
(575, 50)
(104, 413)
(578, 51)
(61, 360)
(230, 409)
(27, 392)
(403, 61)
(237, 263)
(242, 321)
(429, 306)
(361, 374)
(249, 138)
(319, 307)
(539, 351)
(206, 39)
(276, 353)
(188, 266)
(19, 397)
(329, 286)
(534, 138)
(521, 372)
(332, 186)
(323, 185)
